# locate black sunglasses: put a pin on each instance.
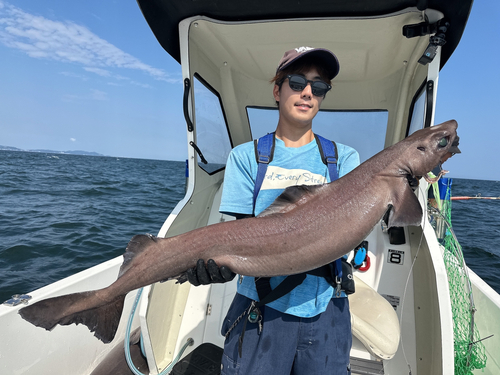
(299, 83)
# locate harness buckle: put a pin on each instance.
(331, 160)
(264, 159)
(254, 315)
(338, 287)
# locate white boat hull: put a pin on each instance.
(26, 349)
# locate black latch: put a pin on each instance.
(18, 299)
(198, 151)
(429, 89)
(187, 87)
(434, 42)
(419, 29)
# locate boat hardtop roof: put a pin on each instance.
(164, 16)
(233, 50)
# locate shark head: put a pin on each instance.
(425, 148)
(414, 157)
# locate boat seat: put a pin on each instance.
(374, 321)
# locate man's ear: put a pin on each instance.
(276, 93)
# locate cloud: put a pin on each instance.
(144, 85)
(98, 71)
(98, 95)
(107, 73)
(93, 95)
(67, 42)
(74, 75)
(72, 139)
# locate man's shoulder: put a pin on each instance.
(244, 149)
(348, 158)
(242, 157)
(344, 149)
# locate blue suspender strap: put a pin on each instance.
(328, 151)
(264, 150)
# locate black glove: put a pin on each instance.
(211, 274)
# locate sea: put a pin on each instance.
(61, 214)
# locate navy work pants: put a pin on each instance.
(289, 344)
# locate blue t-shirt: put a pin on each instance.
(290, 166)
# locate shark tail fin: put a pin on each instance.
(102, 320)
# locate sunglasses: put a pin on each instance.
(299, 83)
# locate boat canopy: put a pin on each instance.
(164, 16)
(232, 50)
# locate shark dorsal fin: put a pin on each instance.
(135, 246)
(292, 196)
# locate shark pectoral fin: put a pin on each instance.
(405, 210)
(102, 320)
(292, 197)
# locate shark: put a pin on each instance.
(306, 227)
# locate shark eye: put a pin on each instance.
(443, 142)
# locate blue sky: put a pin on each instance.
(91, 76)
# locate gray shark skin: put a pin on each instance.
(305, 228)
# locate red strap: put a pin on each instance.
(366, 263)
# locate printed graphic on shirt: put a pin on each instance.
(281, 178)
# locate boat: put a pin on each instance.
(403, 312)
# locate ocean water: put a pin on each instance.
(60, 214)
(477, 226)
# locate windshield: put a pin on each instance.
(362, 130)
(212, 135)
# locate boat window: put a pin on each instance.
(212, 137)
(362, 130)
(418, 113)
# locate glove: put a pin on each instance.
(211, 274)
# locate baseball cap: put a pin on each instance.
(327, 57)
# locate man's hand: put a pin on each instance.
(211, 274)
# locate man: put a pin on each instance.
(306, 331)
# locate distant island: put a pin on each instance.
(75, 152)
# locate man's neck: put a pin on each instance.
(294, 137)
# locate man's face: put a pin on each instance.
(298, 107)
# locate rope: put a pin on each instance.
(476, 197)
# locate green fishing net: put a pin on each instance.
(469, 350)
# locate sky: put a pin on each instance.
(91, 76)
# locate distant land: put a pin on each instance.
(75, 152)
